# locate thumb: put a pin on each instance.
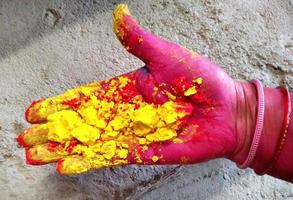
(152, 50)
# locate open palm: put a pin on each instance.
(179, 108)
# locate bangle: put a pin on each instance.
(284, 132)
(258, 127)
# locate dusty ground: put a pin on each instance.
(47, 47)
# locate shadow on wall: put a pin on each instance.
(22, 22)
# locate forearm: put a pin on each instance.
(273, 130)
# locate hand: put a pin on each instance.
(179, 108)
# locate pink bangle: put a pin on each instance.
(258, 127)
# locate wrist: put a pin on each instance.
(246, 121)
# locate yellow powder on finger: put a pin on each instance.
(61, 123)
(75, 165)
(84, 150)
(58, 133)
(120, 11)
(86, 133)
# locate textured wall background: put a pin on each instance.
(49, 46)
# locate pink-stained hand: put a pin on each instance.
(220, 120)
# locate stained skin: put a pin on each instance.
(168, 112)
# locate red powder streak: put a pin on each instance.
(180, 85)
(128, 92)
(28, 109)
(20, 140)
(99, 96)
(74, 103)
(124, 27)
(184, 106)
(183, 121)
(195, 137)
(136, 106)
(59, 166)
(105, 85)
(52, 146)
(86, 98)
(199, 98)
(72, 144)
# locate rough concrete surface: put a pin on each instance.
(49, 46)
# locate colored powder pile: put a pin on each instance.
(104, 121)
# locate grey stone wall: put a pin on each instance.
(49, 46)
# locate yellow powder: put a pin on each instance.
(110, 134)
(168, 113)
(142, 141)
(106, 135)
(123, 81)
(162, 134)
(108, 149)
(118, 123)
(86, 133)
(119, 13)
(146, 115)
(122, 153)
(190, 91)
(75, 165)
(155, 158)
(58, 133)
(85, 151)
(90, 115)
(141, 129)
(177, 140)
(61, 123)
(170, 95)
(198, 81)
(68, 118)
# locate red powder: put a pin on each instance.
(52, 146)
(201, 99)
(128, 92)
(20, 140)
(86, 98)
(74, 103)
(184, 106)
(59, 166)
(72, 144)
(180, 85)
(136, 106)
